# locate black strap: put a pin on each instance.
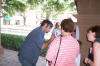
(58, 51)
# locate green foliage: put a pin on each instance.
(43, 52)
(72, 6)
(12, 41)
(13, 6)
(34, 3)
(48, 6)
(15, 42)
(55, 7)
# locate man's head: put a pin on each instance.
(46, 26)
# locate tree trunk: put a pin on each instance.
(47, 16)
(24, 20)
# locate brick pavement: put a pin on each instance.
(10, 58)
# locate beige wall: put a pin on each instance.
(88, 15)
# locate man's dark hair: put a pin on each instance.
(95, 29)
(67, 25)
(49, 23)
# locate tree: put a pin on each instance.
(57, 7)
(54, 7)
(31, 4)
(10, 7)
(34, 3)
(50, 7)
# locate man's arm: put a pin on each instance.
(45, 44)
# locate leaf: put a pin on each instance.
(13, 6)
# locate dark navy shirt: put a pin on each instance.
(97, 40)
(32, 45)
(91, 54)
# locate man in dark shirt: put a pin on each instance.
(34, 42)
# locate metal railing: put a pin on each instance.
(15, 31)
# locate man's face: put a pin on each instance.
(47, 29)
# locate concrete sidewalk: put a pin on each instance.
(10, 58)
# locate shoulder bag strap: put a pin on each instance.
(58, 51)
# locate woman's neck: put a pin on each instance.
(66, 34)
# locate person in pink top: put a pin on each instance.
(64, 49)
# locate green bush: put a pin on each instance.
(43, 52)
(12, 41)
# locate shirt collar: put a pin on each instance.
(41, 30)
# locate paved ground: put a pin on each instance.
(10, 58)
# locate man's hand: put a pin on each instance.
(52, 37)
(45, 44)
(86, 60)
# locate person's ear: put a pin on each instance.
(45, 25)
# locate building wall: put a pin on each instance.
(88, 15)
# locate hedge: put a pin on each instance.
(14, 42)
